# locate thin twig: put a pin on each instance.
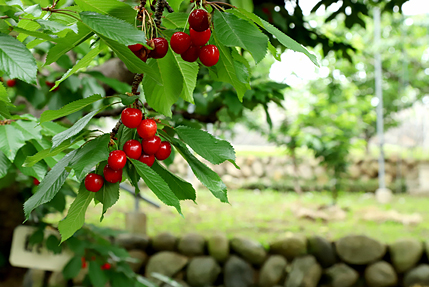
(115, 129)
(138, 78)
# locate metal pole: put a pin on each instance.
(379, 94)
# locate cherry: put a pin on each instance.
(199, 20)
(112, 176)
(180, 42)
(161, 48)
(142, 54)
(164, 151)
(200, 38)
(94, 182)
(106, 266)
(135, 47)
(133, 149)
(36, 181)
(117, 160)
(151, 145)
(147, 128)
(11, 83)
(131, 118)
(148, 159)
(191, 55)
(84, 264)
(51, 85)
(209, 55)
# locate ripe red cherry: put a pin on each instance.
(191, 55)
(51, 85)
(151, 146)
(94, 182)
(133, 149)
(36, 181)
(11, 83)
(209, 55)
(84, 264)
(147, 128)
(199, 20)
(148, 159)
(200, 38)
(135, 47)
(106, 266)
(180, 42)
(142, 54)
(112, 176)
(161, 48)
(117, 160)
(131, 118)
(164, 151)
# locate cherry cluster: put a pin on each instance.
(151, 147)
(159, 45)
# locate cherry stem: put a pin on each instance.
(222, 3)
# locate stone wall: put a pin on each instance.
(294, 261)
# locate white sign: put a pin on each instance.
(23, 254)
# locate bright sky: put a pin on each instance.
(296, 69)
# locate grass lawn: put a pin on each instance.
(266, 216)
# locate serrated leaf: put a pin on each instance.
(189, 72)
(55, 27)
(74, 130)
(209, 147)
(16, 60)
(96, 275)
(133, 177)
(181, 188)
(34, 34)
(124, 134)
(108, 195)
(76, 215)
(50, 185)
(5, 164)
(175, 20)
(81, 64)
(127, 100)
(158, 186)
(232, 31)
(90, 154)
(113, 28)
(72, 268)
(133, 63)
(38, 170)
(114, 8)
(68, 109)
(67, 43)
(3, 94)
(30, 130)
(274, 52)
(245, 4)
(34, 10)
(115, 84)
(4, 111)
(163, 95)
(32, 160)
(11, 140)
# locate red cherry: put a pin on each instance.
(36, 181)
(131, 118)
(161, 48)
(106, 266)
(147, 128)
(151, 146)
(191, 55)
(148, 159)
(199, 20)
(84, 264)
(11, 83)
(135, 47)
(142, 54)
(209, 55)
(117, 160)
(112, 176)
(200, 38)
(180, 42)
(164, 151)
(133, 149)
(51, 85)
(94, 182)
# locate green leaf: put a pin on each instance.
(162, 96)
(90, 154)
(232, 31)
(118, 86)
(76, 215)
(124, 134)
(130, 172)
(96, 275)
(34, 10)
(3, 94)
(205, 175)
(5, 164)
(38, 170)
(52, 244)
(155, 182)
(70, 41)
(16, 60)
(189, 72)
(209, 147)
(30, 130)
(74, 130)
(50, 185)
(280, 36)
(245, 4)
(68, 109)
(81, 64)
(127, 100)
(133, 63)
(175, 20)
(55, 27)
(274, 52)
(121, 280)
(11, 140)
(71, 270)
(4, 111)
(181, 188)
(114, 8)
(113, 28)
(108, 195)
(36, 34)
